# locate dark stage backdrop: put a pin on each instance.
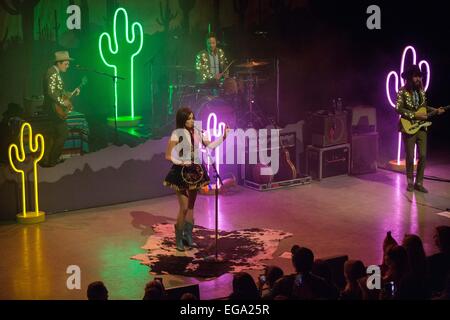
(324, 48)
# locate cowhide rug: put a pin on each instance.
(237, 251)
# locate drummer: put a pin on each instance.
(210, 63)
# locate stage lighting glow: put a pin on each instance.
(122, 59)
(35, 144)
(422, 64)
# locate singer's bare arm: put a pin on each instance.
(170, 145)
(211, 145)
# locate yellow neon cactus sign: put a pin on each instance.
(36, 146)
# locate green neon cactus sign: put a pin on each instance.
(118, 52)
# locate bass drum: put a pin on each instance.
(209, 106)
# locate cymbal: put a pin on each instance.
(247, 72)
(179, 68)
(252, 64)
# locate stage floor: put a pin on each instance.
(339, 215)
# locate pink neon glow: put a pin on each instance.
(402, 83)
(216, 130)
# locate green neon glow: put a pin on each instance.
(170, 99)
(116, 56)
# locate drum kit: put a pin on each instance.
(234, 95)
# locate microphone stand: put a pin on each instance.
(114, 79)
(152, 92)
(218, 179)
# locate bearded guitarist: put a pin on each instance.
(412, 106)
(54, 100)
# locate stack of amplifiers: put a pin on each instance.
(287, 175)
(328, 162)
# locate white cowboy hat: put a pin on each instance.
(62, 56)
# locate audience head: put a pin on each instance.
(323, 270)
(294, 248)
(244, 287)
(442, 238)
(97, 291)
(389, 242)
(354, 270)
(154, 290)
(273, 273)
(303, 260)
(397, 260)
(188, 297)
(282, 287)
(416, 254)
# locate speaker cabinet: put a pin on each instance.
(329, 129)
(364, 153)
(328, 162)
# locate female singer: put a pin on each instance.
(187, 175)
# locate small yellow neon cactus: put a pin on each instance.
(36, 147)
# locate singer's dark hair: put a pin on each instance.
(182, 116)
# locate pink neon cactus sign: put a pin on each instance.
(214, 129)
(399, 80)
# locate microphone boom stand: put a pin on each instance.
(114, 79)
(218, 179)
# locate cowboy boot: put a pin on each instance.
(179, 238)
(187, 235)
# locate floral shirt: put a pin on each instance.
(408, 102)
(53, 87)
(203, 65)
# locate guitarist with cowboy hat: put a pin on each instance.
(53, 87)
(409, 99)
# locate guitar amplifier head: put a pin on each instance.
(363, 119)
(329, 129)
(33, 105)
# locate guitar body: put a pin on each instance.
(63, 111)
(286, 169)
(413, 126)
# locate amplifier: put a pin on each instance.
(287, 170)
(362, 119)
(327, 162)
(329, 129)
(364, 153)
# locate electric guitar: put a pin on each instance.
(63, 111)
(286, 170)
(412, 126)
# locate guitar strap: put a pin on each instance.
(192, 146)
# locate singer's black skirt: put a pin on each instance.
(175, 181)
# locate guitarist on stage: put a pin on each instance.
(409, 99)
(53, 87)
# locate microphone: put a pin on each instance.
(202, 131)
